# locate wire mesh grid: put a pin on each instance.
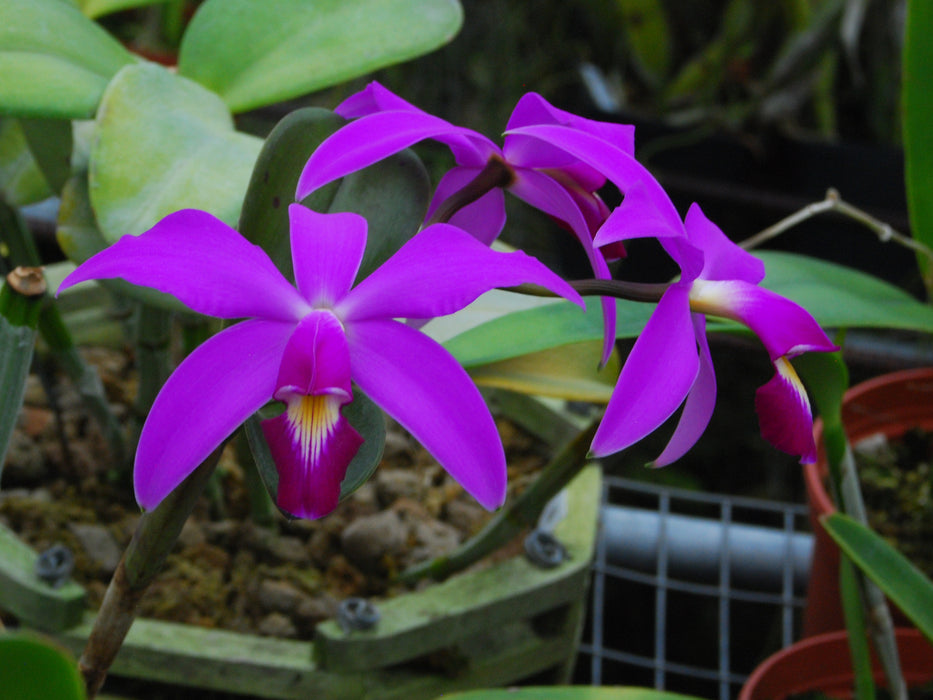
(690, 591)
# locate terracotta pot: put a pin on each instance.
(822, 664)
(891, 405)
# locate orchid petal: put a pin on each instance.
(483, 219)
(413, 378)
(309, 480)
(207, 265)
(613, 162)
(311, 442)
(215, 389)
(532, 109)
(377, 136)
(371, 99)
(784, 327)
(656, 377)
(439, 271)
(701, 401)
(544, 193)
(316, 359)
(784, 413)
(723, 259)
(326, 253)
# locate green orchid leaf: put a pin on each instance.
(365, 416)
(165, 143)
(50, 142)
(55, 62)
(567, 693)
(98, 8)
(42, 669)
(917, 101)
(256, 53)
(840, 297)
(21, 180)
(539, 328)
(894, 574)
(392, 195)
(567, 372)
(826, 377)
(80, 238)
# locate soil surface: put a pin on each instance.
(897, 485)
(227, 571)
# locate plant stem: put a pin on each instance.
(496, 173)
(152, 348)
(880, 625)
(153, 539)
(834, 203)
(522, 513)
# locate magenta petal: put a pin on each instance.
(213, 391)
(439, 271)
(207, 265)
(316, 359)
(532, 109)
(784, 327)
(423, 387)
(373, 98)
(309, 478)
(377, 136)
(657, 376)
(312, 443)
(482, 219)
(701, 401)
(784, 413)
(723, 259)
(613, 162)
(547, 195)
(326, 253)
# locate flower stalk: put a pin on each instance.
(155, 535)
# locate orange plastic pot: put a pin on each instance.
(891, 405)
(822, 664)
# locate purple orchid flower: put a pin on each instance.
(717, 277)
(546, 177)
(665, 369)
(303, 346)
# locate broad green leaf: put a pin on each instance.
(365, 416)
(50, 142)
(900, 580)
(55, 62)
(392, 195)
(917, 100)
(568, 372)
(840, 297)
(541, 328)
(165, 143)
(256, 53)
(97, 8)
(37, 668)
(567, 693)
(21, 181)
